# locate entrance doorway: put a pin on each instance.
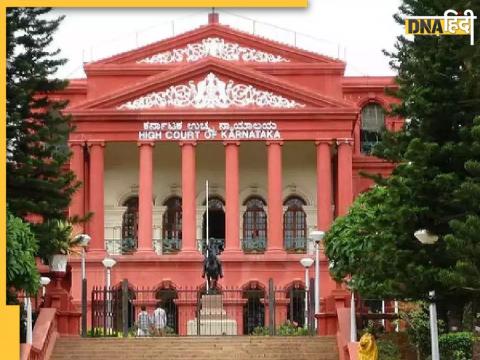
(216, 219)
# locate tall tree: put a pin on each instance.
(436, 183)
(38, 181)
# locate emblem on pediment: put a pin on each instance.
(210, 92)
(215, 47)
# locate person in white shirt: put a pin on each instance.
(143, 322)
(159, 320)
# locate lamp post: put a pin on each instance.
(317, 237)
(306, 263)
(427, 238)
(109, 263)
(353, 319)
(44, 281)
(83, 240)
(28, 307)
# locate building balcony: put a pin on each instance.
(121, 246)
(172, 246)
(219, 244)
(129, 246)
(167, 246)
(254, 245)
(296, 245)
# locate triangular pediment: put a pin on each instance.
(210, 92)
(212, 84)
(219, 41)
(212, 46)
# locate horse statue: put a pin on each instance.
(212, 266)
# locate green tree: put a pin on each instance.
(22, 272)
(38, 179)
(435, 184)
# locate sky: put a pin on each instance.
(356, 31)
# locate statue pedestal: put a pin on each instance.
(212, 319)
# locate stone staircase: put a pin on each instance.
(198, 348)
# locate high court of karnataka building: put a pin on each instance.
(280, 133)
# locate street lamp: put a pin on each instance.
(427, 238)
(109, 263)
(317, 236)
(44, 281)
(306, 263)
(83, 240)
(353, 318)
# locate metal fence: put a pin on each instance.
(378, 315)
(116, 311)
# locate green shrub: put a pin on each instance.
(456, 346)
(289, 329)
(418, 329)
(260, 331)
(388, 350)
(100, 332)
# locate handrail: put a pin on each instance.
(44, 334)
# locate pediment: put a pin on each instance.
(211, 84)
(210, 92)
(212, 46)
(215, 40)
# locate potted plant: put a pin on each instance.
(62, 244)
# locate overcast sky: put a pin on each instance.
(362, 28)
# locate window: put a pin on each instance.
(373, 123)
(130, 225)
(254, 219)
(172, 218)
(295, 224)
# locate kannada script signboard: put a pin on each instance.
(182, 131)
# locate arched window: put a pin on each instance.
(295, 224)
(216, 222)
(172, 218)
(130, 225)
(373, 123)
(254, 225)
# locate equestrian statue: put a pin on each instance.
(212, 266)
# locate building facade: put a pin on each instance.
(280, 134)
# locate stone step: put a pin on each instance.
(198, 348)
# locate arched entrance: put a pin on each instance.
(117, 299)
(216, 219)
(166, 296)
(254, 308)
(296, 308)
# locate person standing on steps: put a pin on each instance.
(159, 320)
(143, 322)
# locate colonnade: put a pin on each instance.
(94, 201)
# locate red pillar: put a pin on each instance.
(345, 180)
(189, 225)
(232, 189)
(77, 165)
(96, 193)
(145, 197)
(324, 184)
(274, 201)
